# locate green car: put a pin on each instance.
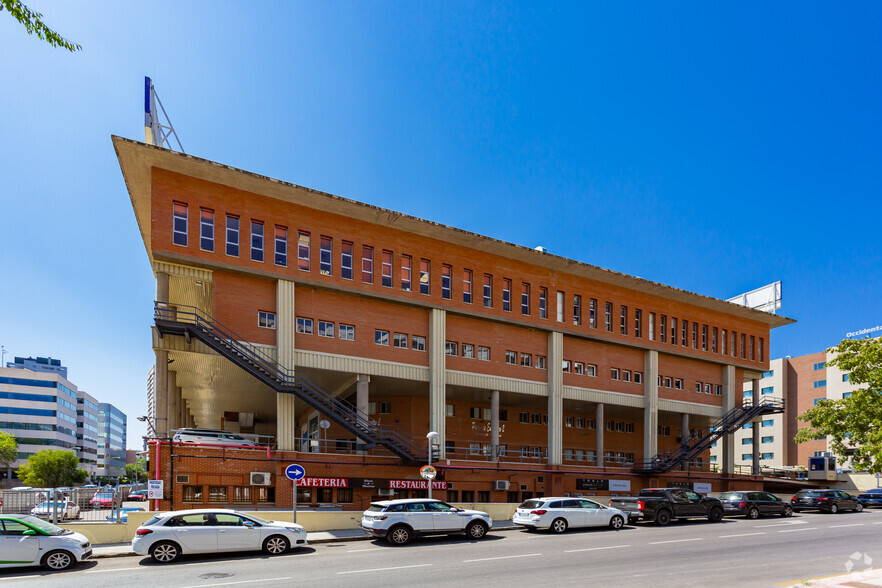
(29, 541)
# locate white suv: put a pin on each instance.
(399, 521)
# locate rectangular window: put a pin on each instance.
(819, 384)
(752, 347)
(578, 368)
(723, 336)
(762, 349)
(346, 332)
(747, 441)
(303, 251)
(367, 264)
(179, 224)
(474, 413)
(569, 421)
(683, 332)
(525, 298)
(418, 343)
(446, 273)
(506, 295)
(610, 425)
(325, 329)
(451, 410)
(708, 389)
(768, 390)
(399, 340)
(304, 325)
(451, 348)
(663, 328)
(626, 375)
(734, 344)
(638, 377)
(714, 333)
(385, 408)
(540, 362)
(265, 319)
(591, 370)
(488, 291)
(483, 353)
(704, 337)
(406, 269)
(192, 493)
(694, 335)
(767, 456)
(652, 326)
(623, 320)
(468, 351)
(511, 357)
(577, 310)
(206, 229)
(769, 423)
(526, 359)
(217, 494)
(543, 302)
(256, 241)
(386, 269)
(678, 384)
(846, 377)
(424, 277)
(467, 286)
(381, 337)
(608, 317)
(233, 236)
(535, 418)
(638, 323)
(668, 382)
(281, 249)
(614, 374)
(346, 260)
(325, 256)
(698, 387)
(769, 439)
(560, 307)
(718, 390)
(592, 313)
(743, 345)
(524, 418)
(566, 366)
(673, 331)
(817, 400)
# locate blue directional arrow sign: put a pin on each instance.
(295, 472)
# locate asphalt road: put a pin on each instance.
(735, 552)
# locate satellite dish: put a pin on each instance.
(324, 424)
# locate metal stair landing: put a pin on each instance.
(729, 423)
(191, 322)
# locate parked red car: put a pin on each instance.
(137, 495)
(102, 500)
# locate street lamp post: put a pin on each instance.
(431, 436)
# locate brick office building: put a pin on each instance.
(281, 309)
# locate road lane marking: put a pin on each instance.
(116, 570)
(800, 529)
(239, 582)
(879, 523)
(782, 524)
(361, 550)
(503, 557)
(596, 548)
(384, 569)
(741, 535)
(676, 541)
(851, 525)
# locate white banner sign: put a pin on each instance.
(702, 487)
(154, 489)
(620, 485)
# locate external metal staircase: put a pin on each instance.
(693, 447)
(191, 322)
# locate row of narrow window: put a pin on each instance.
(700, 336)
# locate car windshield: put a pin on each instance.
(259, 520)
(376, 508)
(811, 493)
(532, 504)
(103, 496)
(44, 526)
(730, 496)
(49, 504)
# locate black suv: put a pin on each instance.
(754, 504)
(825, 501)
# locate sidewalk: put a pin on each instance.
(863, 579)
(314, 538)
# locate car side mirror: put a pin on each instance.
(248, 524)
(29, 532)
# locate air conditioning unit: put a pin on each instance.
(386, 492)
(182, 479)
(501, 485)
(261, 478)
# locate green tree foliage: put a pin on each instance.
(135, 472)
(52, 468)
(853, 423)
(33, 22)
(8, 449)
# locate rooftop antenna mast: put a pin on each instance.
(157, 130)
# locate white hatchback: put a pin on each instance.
(168, 535)
(559, 514)
(29, 541)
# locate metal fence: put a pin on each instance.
(106, 505)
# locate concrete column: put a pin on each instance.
(684, 436)
(286, 422)
(161, 287)
(173, 403)
(729, 395)
(555, 398)
(362, 401)
(182, 408)
(286, 326)
(494, 424)
(755, 429)
(598, 432)
(438, 377)
(160, 405)
(650, 404)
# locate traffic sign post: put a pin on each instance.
(294, 472)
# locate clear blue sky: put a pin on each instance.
(715, 147)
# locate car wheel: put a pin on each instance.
(834, 509)
(617, 522)
(58, 560)
(787, 512)
(662, 517)
(476, 530)
(165, 552)
(399, 535)
(275, 545)
(858, 507)
(753, 513)
(715, 515)
(559, 525)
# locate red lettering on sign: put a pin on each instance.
(324, 482)
(415, 485)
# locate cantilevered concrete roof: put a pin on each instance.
(136, 160)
